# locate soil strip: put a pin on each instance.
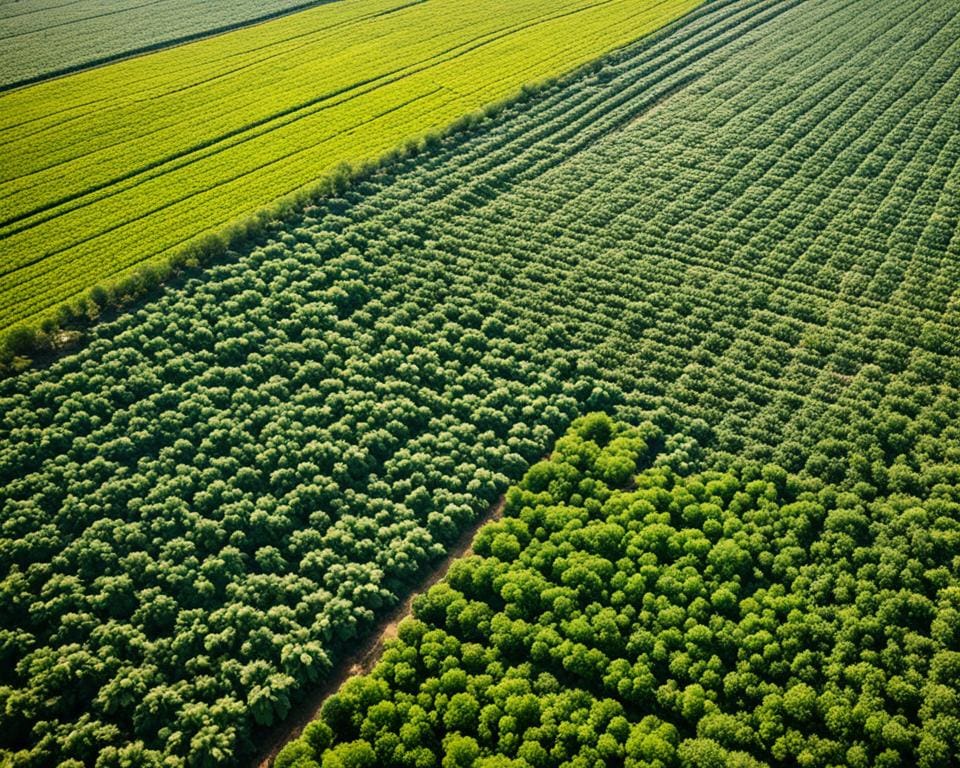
(368, 653)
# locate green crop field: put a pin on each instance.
(39, 38)
(190, 140)
(739, 234)
(738, 619)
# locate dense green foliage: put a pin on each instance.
(39, 38)
(744, 231)
(742, 619)
(204, 534)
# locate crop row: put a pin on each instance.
(61, 37)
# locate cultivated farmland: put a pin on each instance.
(742, 230)
(741, 619)
(39, 38)
(91, 187)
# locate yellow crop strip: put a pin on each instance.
(123, 165)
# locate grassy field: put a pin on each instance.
(126, 164)
(743, 229)
(41, 37)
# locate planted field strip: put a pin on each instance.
(39, 38)
(113, 167)
(622, 618)
(744, 229)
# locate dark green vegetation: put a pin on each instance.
(42, 38)
(743, 230)
(742, 619)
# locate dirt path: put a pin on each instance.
(365, 657)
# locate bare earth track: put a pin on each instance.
(363, 660)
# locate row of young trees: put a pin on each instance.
(648, 619)
(201, 507)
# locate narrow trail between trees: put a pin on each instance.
(363, 659)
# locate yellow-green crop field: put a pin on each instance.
(131, 163)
